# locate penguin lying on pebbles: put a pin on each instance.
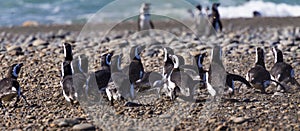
(282, 71)
(10, 87)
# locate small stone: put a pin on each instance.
(241, 107)
(52, 125)
(39, 42)
(221, 128)
(239, 120)
(66, 122)
(84, 126)
(212, 120)
(277, 94)
(30, 117)
(262, 129)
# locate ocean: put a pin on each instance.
(15, 12)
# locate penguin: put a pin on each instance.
(180, 81)
(67, 49)
(103, 76)
(215, 17)
(136, 69)
(66, 81)
(10, 87)
(230, 78)
(216, 76)
(123, 87)
(79, 74)
(281, 71)
(167, 68)
(113, 92)
(199, 62)
(168, 63)
(144, 20)
(258, 76)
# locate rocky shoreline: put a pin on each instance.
(40, 49)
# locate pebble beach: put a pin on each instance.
(40, 49)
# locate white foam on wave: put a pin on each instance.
(268, 9)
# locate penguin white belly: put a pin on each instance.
(145, 22)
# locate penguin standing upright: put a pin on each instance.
(66, 75)
(180, 81)
(215, 18)
(230, 78)
(10, 87)
(79, 73)
(216, 76)
(144, 20)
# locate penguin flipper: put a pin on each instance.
(235, 77)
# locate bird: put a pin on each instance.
(215, 17)
(122, 88)
(258, 76)
(66, 81)
(136, 69)
(10, 87)
(79, 74)
(230, 77)
(282, 71)
(216, 76)
(103, 75)
(179, 81)
(144, 20)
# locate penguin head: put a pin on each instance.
(217, 52)
(136, 51)
(116, 63)
(83, 63)
(200, 58)
(167, 51)
(15, 70)
(145, 8)
(199, 7)
(215, 6)
(105, 59)
(260, 57)
(177, 61)
(278, 56)
(67, 51)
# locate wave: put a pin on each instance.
(267, 9)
